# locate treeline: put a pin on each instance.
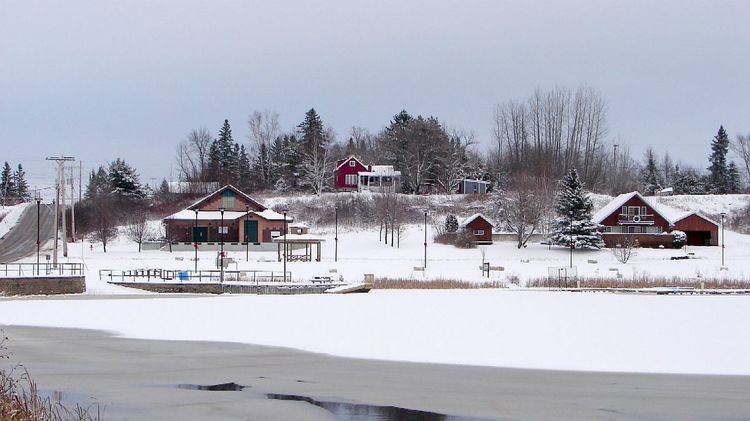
(546, 134)
(13, 185)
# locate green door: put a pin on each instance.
(200, 234)
(251, 231)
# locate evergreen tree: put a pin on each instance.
(244, 173)
(98, 186)
(451, 223)
(312, 133)
(21, 185)
(718, 172)
(7, 188)
(651, 180)
(734, 183)
(573, 225)
(688, 182)
(124, 182)
(227, 153)
(214, 162)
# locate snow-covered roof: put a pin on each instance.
(669, 213)
(189, 215)
(470, 219)
(476, 181)
(295, 238)
(299, 225)
(272, 215)
(381, 170)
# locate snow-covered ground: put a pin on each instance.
(360, 253)
(514, 327)
(509, 328)
(9, 216)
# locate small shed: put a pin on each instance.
(480, 227)
(468, 186)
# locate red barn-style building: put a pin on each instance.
(651, 224)
(244, 220)
(347, 173)
(480, 227)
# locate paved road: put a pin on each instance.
(20, 242)
(137, 379)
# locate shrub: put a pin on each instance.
(464, 240)
(679, 239)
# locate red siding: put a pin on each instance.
(698, 231)
(345, 170)
(482, 224)
(611, 220)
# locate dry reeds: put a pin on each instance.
(399, 283)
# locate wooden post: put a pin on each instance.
(278, 250)
(319, 247)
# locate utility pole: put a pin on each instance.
(60, 196)
(72, 208)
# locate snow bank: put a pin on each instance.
(505, 328)
(10, 216)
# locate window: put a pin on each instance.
(634, 230)
(352, 163)
(350, 179)
(478, 232)
(227, 199)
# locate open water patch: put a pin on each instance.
(344, 411)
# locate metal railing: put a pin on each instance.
(200, 276)
(9, 270)
(636, 219)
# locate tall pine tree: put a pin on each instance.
(7, 188)
(718, 172)
(734, 182)
(651, 179)
(21, 185)
(573, 225)
(312, 133)
(124, 181)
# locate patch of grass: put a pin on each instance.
(400, 283)
(20, 399)
(643, 282)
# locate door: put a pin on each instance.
(251, 231)
(200, 234)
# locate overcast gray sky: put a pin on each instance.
(100, 80)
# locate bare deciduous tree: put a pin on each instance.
(138, 229)
(192, 155)
(625, 248)
(264, 129)
(317, 170)
(104, 223)
(741, 146)
(524, 206)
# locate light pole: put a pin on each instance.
(195, 239)
(247, 239)
(221, 253)
(425, 240)
(38, 242)
(285, 211)
(336, 237)
(723, 243)
(572, 245)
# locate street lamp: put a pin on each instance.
(284, 211)
(195, 239)
(38, 242)
(723, 243)
(336, 237)
(247, 239)
(425, 240)
(221, 253)
(572, 245)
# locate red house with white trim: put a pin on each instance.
(347, 173)
(651, 224)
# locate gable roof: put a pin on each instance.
(698, 214)
(471, 219)
(234, 189)
(344, 161)
(669, 214)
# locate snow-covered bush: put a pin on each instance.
(465, 240)
(679, 238)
